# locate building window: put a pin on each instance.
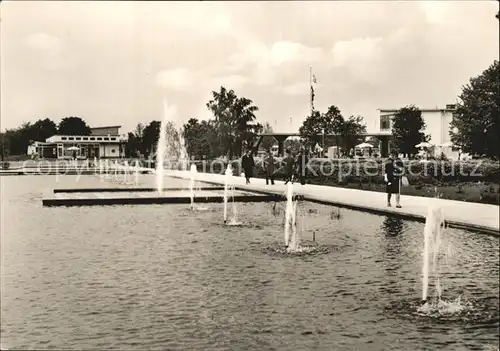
(113, 138)
(78, 138)
(106, 139)
(99, 138)
(92, 138)
(385, 122)
(71, 138)
(85, 138)
(63, 138)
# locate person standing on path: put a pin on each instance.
(289, 166)
(301, 162)
(393, 171)
(269, 162)
(248, 163)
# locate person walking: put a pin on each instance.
(248, 163)
(301, 164)
(289, 166)
(269, 162)
(393, 172)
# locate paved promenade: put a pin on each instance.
(458, 214)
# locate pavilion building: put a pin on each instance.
(103, 142)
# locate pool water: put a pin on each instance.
(164, 277)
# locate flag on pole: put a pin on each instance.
(312, 80)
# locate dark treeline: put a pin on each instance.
(16, 141)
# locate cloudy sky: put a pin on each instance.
(114, 62)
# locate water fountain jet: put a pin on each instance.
(434, 224)
(192, 184)
(292, 240)
(136, 173)
(162, 148)
(227, 179)
(234, 221)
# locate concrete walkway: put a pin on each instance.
(458, 214)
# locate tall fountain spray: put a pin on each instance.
(292, 240)
(125, 168)
(434, 224)
(101, 170)
(234, 220)
(183, 155)
(227, 179)
(161, 148)
(136, 173)
(192, 184)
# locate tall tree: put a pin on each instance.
(407, 129)
(150, 138)
(43, 129)
(318, 123)
(4, 145)
(477, 116)
(200, 138)
(73, 126)
(337, 121)
(19, 139)
(134, 144)
(191, 131)
(173, 138)
(353, 131)
(234, 120)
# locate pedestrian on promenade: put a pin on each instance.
(289, 166)
(301, 164)
(248, 163)
(269, 162)
(393, 171)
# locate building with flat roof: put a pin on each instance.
(103, 142)
(437, 123)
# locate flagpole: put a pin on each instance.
(310, 87)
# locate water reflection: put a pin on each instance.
(392, 226)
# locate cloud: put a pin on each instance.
(203, 17)
(435, 11)
(356, 50)
(179, 79)
(267, 63)
(299, 88)
(48, 51)
(287, 51)
(45, 43)
(361, 57)
(233, 81)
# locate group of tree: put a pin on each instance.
(232, 129)
(16, 141)
(331, 127)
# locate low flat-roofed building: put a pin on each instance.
(104, 142)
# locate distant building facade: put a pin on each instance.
(103, 142)
(437, 123)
